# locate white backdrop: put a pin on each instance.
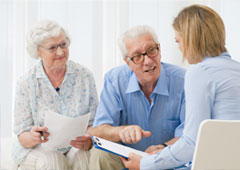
(94, 26)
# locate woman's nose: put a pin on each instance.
(59, 51)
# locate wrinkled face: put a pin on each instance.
(148, 71)
(179, 40)
(54, 52)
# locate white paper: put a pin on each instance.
(63, 129)
(117, 148)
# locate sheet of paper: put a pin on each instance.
(63, 129)
(115, 147)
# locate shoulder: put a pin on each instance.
(197, 76)
(173, 70)
(28, 78)
(122, 73)
(196, 71)
(79, 69)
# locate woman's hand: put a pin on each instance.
(133, 163)
(33, 137)
(36, 135)
(82, 142)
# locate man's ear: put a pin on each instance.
(160, 55)
(159, 47)
(126, 61)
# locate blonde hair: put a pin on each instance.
(202, 31)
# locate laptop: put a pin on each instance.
(217, 146)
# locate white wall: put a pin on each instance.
(94, 26)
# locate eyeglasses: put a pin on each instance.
(150, 52)
(54, 48)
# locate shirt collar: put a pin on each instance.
(223, 55)
(133, 84)
(161, 86)
(226, 55)
(40, 73)
(162, 83)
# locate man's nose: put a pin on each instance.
(147, 59)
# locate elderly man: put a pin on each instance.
(142, 104)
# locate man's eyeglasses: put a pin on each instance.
(54, 48)
(150, 52)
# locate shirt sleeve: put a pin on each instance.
(200, 92)
(23, 120)
(93, 99)
(110, 105)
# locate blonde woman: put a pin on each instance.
(212, 85)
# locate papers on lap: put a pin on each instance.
(115, 148)
(63, 129)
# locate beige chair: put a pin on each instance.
(218, 146)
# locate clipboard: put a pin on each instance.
(115, 148)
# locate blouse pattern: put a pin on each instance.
(35, 96)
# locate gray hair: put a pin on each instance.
(134, 33)
(40, 32)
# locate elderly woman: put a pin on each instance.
(54, 84)
(212, 85)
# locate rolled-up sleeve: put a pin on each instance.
(109, 108)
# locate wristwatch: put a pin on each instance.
(164, 144)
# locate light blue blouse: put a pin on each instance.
(212, 90)
(35, 95)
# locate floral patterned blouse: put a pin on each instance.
(35, 95)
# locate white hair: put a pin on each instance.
(40, 32)
(134, 33)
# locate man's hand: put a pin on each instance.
(82, 142)
(154, 149)
(133, 163)
(133, 134)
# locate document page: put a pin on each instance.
(63, 129)
(115, 148)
